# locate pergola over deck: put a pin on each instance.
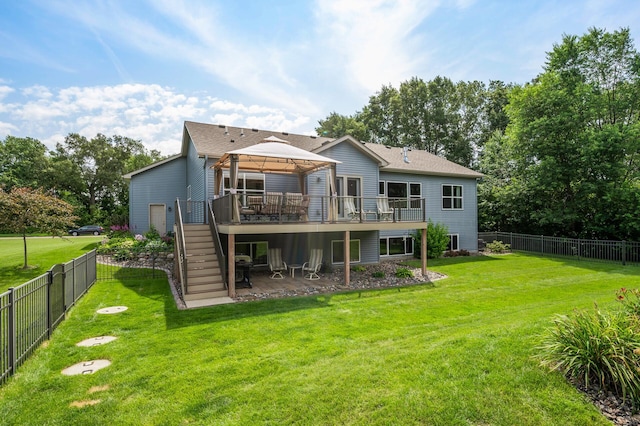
(274, 155)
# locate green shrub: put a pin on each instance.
(437, 240)
(597, 348)
(378, 274)
(358, 268)
(403, 273)
(498, 247)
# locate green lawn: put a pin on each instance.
(42, 254)
(457, 353)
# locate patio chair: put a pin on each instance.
(350, 208)
(311, 268)
(303, 210)
(384, 211)
(255, 202)
(292, 203)
(272, 203)
(276, 264)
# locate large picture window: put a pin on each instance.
(452, 197)
(395, 246)
(401, 191)
(337, 251)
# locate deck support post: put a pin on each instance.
(423, 251)
(231, 265)
(347, 257)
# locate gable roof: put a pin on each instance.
(215, 140)
(151, 166)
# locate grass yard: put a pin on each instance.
(457, 353)
(42, 254)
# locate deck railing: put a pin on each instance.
(624, 252)
(285, 208)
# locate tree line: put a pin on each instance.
(85, 173)
(560, 154)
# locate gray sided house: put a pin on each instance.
(235, 193)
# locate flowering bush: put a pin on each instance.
(630, 300)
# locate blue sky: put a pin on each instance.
(141, 68)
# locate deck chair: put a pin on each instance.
(276, 264)
(350, 208)
(255, 202)
(272, 203)
(292, 203)
(311, 268)
(384, 211)
(303, 210)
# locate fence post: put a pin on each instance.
(624, 252)
(48, 302)
(13, 334)
(542, 245)
(579, 248)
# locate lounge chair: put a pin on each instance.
(303, 210)
(311, 268)
(350, 208)
(384, 211)
(276, 264)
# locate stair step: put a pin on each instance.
(205, 287)
(206, 295)
(200, 280)
(203, 272)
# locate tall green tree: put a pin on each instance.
(23, 163)
(575, 129)
(25, 210)
(337, 125)
(94, 169)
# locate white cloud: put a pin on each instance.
(375, 39)
(4, 91)
(150, 113)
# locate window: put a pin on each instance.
(256, 250)
(411, 191)
(337, 251)
(452, 197)
(248, 184)
(453, 242)
(394, 246)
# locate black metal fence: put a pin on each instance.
(624, 252)
(134, 263)
(29, 313)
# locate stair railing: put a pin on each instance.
(213, 227)
(181, 248)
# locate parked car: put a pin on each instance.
(86, 230)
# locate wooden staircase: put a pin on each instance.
(204, 277)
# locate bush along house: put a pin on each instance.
(237, 194)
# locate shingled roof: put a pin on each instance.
(215, 140)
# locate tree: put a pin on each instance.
(337, 126)
(23, 163)
(25, 210)
(90, 171)
(575, 132)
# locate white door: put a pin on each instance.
(158, 218)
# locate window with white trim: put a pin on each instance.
(401, 191)
(453, 242)
(248, 184)
(337, 251)
(395, 246)
(452, 197)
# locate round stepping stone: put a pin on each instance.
(112, 310)
(96, 341)
(86, 367)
